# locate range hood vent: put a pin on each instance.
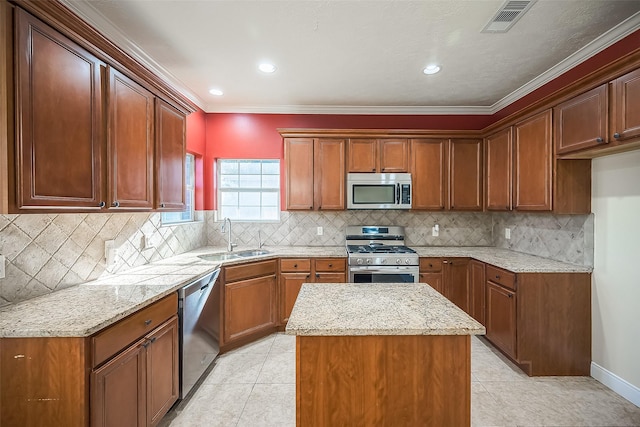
(507, 15)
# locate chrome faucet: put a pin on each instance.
(224, 228)
(260, 242)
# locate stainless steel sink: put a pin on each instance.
(233, 255)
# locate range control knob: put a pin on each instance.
(369, 261)
(383, 261)
(398, 261)
(359, 261)
(407, 261)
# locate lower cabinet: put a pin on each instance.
(296, 271)
(139, 385)
(431, 273)
(249, 301)
(456, 281)
(477, 290)
(542, 321)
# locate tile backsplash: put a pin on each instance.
(49, 252)
(46, 253)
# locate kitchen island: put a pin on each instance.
(381, 354)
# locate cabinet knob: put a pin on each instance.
(616, 135)
(147, 322)
(308, 275)
(116, 204)
(317, 275)
(599, 139)
(498, 277)
(102, 204)
(330, 265)
(430, 265)
(153, 339)
(320, 207)
(162, 205)
(295, 265)
(373, 170)
(310, 207)
(510, 295)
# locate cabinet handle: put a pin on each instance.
(373, 170)
(308, 275)
(152, 340)
(320, 207)
(116, 204)
(311, 207)
(317, 275)
(102, 204)
(295, 265)
(146, 344)
(383, 169)
(599, 139)
(162, 205)
(330, 265)
(510, 295)
(616, 135)
(430, 265)
(147, 322)
(498, 277)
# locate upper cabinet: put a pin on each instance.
(581, 122)
(446, 174)
(59, 111)
(88, 136)
(498, 164)
(465, 175)
(130, 144)
(378, 155)
(170, 157)
(625, 120)
(532, 163)
(315, 173)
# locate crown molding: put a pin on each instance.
(350, 109)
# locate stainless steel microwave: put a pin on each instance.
(379, 191)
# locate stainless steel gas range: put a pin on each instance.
(377, 254)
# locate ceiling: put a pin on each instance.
(358, 57)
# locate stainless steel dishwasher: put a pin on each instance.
(198, 312)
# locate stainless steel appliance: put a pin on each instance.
(379, 191)
(377, 254)
(198, 312)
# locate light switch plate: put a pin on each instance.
(2, 272)
(507, 233)
(320, 231)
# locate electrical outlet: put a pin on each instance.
(507, 233)
(320, 231)
(2, 272)
(110, 252)
(435, 230)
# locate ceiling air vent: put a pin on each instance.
(507, 15)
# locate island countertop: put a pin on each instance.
(356, 309)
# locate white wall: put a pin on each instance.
(616, 274)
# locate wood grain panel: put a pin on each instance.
(163, 384)
(394, 155)
(626, 109)
(329, 174)
(429, 173)
(383, 381)
(298, 155)
(44, 382)
(465, 175)
(477, 290)
(533, 163)
(170, 157)
(7, 186)
(501, 277)
(247, 271)
(434, 280)
(362, 155)
(501, 318)
(429, 265)
(331, 264)
(290, 284)
(499, 167)
(295, 265)
(456, 282)
(249, 307)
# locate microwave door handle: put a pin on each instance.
(397, 194)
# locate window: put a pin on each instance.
(190, 195)
(249, 190)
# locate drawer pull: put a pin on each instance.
(599, 139)
(330, 265)
(497, 277)
(295, 265)
(308, 275)
(616, 135)
(317, 275)
(510, 295)
(430, 265)
(153, 339)
(147, 322)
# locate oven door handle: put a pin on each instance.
(391, 269)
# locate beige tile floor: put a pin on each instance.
(254, 386)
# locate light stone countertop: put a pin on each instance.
(82, 310)
(330, 309)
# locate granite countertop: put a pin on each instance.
(377, 309)
(82, 310)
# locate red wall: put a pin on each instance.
(196, 145)
(256, 135)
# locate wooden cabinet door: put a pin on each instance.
(501, 318)
(477, 290)
(533, 160)
(323, 277)
(428, 173)
(465, 174)
(130, 143)
(456, 282)
(582, 122)
(290, 284)
(393, 155)
(249, 307)
(432, 279)
(162, 370)
(329, 174)
(298, 154)
(626, 107)
(170, 155)
(362, 155)
(118, 390)
(498, 166)
(59, 112)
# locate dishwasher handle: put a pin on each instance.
(201, 285)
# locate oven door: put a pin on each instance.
(384, 274)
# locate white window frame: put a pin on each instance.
(220, 190)
(170, 218)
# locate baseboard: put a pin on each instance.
(615, 383)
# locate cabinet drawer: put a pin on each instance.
(118, 336)
(295, 264)
(430, 265)
(330, 264)
(501, 277)
(247, 271)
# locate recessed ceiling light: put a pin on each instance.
(216, 92)
(266, 67)
(431, 69)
